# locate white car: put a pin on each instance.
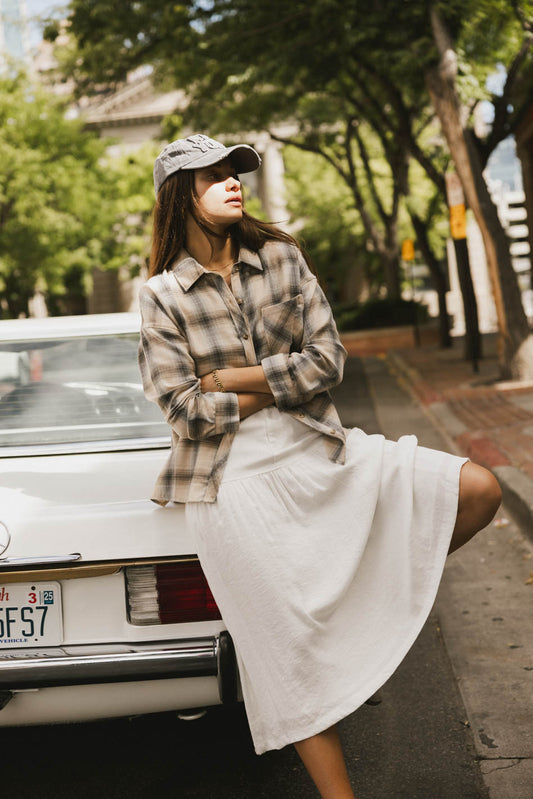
(104, 609)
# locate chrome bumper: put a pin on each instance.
(196, 657)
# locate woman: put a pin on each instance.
(323, 547)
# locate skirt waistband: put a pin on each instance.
(267, 440)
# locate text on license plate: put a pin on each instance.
(30, 614)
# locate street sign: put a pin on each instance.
(408, 250)
(458, 221)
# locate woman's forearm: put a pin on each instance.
(250, 399)
(245, 379)
(241, 380)
(251, 403)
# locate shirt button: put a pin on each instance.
(240, 300)
(245, 336)
(301, 415)
(333, 432)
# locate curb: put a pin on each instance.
(517, 487)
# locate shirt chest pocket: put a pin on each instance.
(283, 324)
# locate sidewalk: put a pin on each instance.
(488, 420)
(485, 603)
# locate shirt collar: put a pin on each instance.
(187, 270)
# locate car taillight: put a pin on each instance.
(169, 593)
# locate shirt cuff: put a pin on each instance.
(278, 376)
(227, 417)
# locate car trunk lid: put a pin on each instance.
(96, 504)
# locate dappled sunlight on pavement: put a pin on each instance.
(489, 420)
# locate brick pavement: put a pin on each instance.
(489, 420)
(494, 419)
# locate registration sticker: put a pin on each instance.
(30, 615)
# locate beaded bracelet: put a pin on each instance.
(218, 381)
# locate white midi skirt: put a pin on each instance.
(324, 573)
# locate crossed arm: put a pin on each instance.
(286, 379)
(248, 382)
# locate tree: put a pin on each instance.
(470, 154)
(340, 106)
(332, 68)
(326, 119)
(330, 228)
(50, 197)
(126, 237)
(63, 209)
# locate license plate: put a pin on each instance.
(30, 615)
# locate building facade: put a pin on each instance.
(14, 35)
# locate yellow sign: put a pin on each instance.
(458, 221)
(408, 250)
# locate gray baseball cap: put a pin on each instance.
(199, 151)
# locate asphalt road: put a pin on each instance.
(415, 745)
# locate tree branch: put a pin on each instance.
(371, 100)
(500, 127)
(363, 152)
(350, 178)
(526, 23)
(436, 176)
(424, 120)
(311, 148)
(374, 124)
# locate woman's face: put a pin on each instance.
(218, 195)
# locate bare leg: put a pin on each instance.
(323, 758)
(479, 499)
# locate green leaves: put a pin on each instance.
(64, 208)
(343, 79)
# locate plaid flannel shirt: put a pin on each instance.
(276, 315)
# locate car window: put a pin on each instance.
(76, 390)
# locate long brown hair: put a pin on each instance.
(177, 198)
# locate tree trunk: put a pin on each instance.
(515, 348)
(391, 269)
(437, 277)
(16, 296)
(472, 337)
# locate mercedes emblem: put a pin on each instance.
(5, 538)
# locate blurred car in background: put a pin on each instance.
(104, 609)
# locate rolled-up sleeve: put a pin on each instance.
(169, 379)
(296, 377)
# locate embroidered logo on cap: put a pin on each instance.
(204, 143)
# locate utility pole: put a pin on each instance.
(456, 205)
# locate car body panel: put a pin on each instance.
(96, 504)
(71, 326)
(80, 451)
(76, 703)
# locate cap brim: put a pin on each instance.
(243, 157)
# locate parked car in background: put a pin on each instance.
(104, 609)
